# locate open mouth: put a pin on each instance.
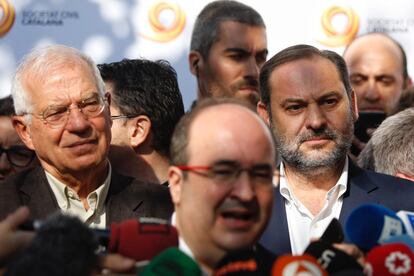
(238, 215)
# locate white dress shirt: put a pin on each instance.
(303, 226)
(70, 203)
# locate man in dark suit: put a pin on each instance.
(307, 100)
(63, 115)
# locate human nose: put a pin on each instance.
(243, 187)
(315, 118)
(252, 68)
(371, 93)
(77, 121)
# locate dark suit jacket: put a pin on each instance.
(363, 187)
(127, 198)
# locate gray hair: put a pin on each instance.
(393, 144)
(41, 61)
(207, 26)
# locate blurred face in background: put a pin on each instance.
(376, 72)
(14, 155)
(233, 63)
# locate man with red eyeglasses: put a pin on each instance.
(63, 115)
(221, 180)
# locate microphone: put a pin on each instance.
(408, 220)
(370, 224)
(174, 262)
(288, 265)
(404, 239)
(331, 259)
(252, 261)
(390, 259)
(63, 245)
(333, 233)
(139, 239)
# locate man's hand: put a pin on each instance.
(116, 263)
(11, 239)
(352, 250)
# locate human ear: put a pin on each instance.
(354, 106)
(23, 130)
(139, 130)
(195, 62)
(263, 112)
(175, 180)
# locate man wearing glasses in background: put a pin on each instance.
(220, 179)
(14, 155)
(146, 105)
(63, 115)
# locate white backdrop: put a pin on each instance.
(109, 30)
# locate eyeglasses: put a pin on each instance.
(116, 117)
(18, 156)
(57, 116)
(229, 172)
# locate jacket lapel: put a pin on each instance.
(276, 236)
(121, 202)
(36, 193)
(358, 191)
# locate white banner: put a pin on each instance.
(110, 30)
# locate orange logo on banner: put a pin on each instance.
(334, 37)
(7, 19)
(164, 33)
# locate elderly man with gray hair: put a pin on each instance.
(63, 115)
(391, 147)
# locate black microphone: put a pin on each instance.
(63, 245)
(139, 239)
(331, 259)
(333, 233)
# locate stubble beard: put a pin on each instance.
(319, 160)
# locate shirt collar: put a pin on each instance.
(341, 184)
(63, 193)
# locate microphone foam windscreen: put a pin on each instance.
(172, 262)
(369, 224)
(288, 265)
(333, 233)
(63, 245)
(332, 259)
(142, 239)
(390, 259)
(408, 220)
(252, 261)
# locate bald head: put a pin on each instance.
(228, 123)
(377, 67)
(219, 115)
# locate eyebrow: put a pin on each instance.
(243, 50)
(302, 101)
